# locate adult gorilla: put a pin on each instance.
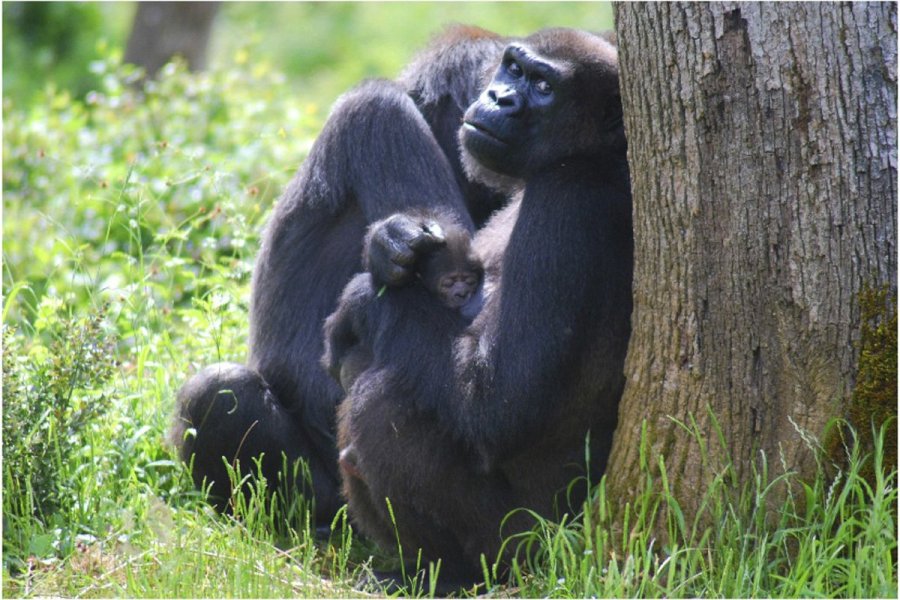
(386, 147)
(541, 366)
(460, 425)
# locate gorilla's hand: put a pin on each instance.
(393, 245)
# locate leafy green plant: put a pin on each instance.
(146, 189)
(54, 398)
(130, 224)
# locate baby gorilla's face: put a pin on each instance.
(455, 289)
(452, 272)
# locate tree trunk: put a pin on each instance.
(763, 153)
(162, 30)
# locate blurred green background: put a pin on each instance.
(322, 47)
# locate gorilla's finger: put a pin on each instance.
(394, 244)
(433, 231)
(382, 264)
(400, 251)
(430, 236)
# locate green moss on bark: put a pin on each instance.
(874, 399)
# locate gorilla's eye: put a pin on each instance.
(543, 87)
(514, 69)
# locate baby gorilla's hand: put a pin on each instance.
(393, 245)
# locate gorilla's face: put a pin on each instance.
(501, 129)
(547, 102)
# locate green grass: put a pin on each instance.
(774, 536)
(130, 227)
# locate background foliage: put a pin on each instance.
(131, 218)
(323, 47)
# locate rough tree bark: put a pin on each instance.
(763, 152)
(162, 30)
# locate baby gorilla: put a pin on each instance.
(452, 274)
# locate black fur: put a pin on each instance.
(456, 423)
(376, 155)
(350, 330)
(495, 416)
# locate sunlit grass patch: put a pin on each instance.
(773, 536)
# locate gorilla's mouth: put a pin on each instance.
(480, 131)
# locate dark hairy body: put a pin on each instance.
(451, 274)
(457, 422)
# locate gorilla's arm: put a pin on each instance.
(526, 359)
(385, 148)
(563, 308)
(347, 330)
